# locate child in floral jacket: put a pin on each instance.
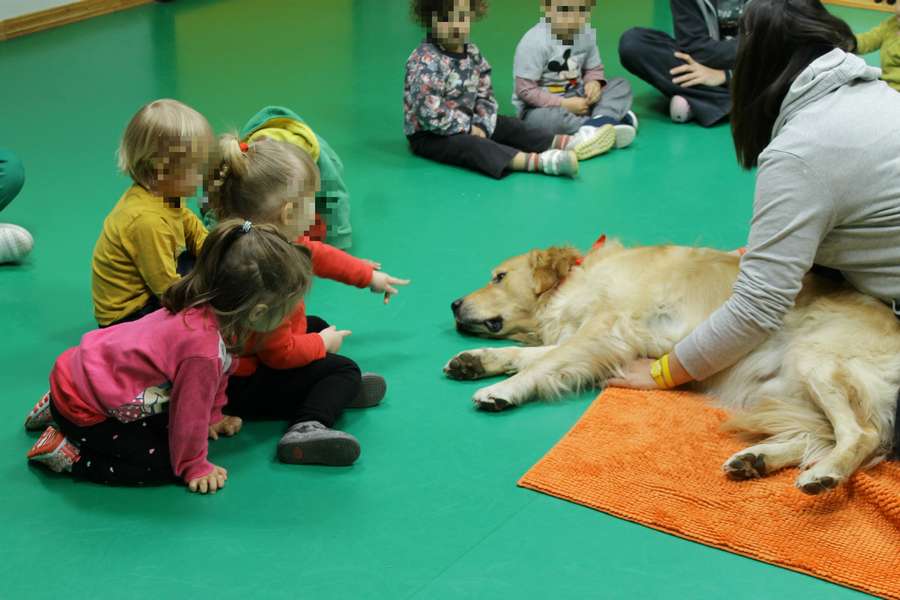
(451, 112)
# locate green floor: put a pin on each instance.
(431, 510)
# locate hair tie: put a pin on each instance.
(246, 226)
(244, 147)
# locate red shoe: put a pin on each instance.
(54, 451)
(40, 416)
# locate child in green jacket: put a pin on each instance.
(333, 200)
(887, 38)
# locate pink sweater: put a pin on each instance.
(134, 370)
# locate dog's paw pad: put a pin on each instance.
(465, 365)
(746, 466)
(817, 485)
(492, 405)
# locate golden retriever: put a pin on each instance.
(819, 394)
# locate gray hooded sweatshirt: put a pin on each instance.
(827, 193)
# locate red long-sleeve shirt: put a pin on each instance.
(290, 346)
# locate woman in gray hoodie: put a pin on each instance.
(693, 68)
(824, 132)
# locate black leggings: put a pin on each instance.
(319, 391)
(650, 55)
(116, 453)
(487, 155)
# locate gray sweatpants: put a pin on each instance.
(614, 103)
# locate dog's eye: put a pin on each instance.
(499, 277)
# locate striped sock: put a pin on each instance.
(532, 162)
(561, 142)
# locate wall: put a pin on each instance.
(17, 8)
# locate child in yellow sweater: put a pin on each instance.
(885, 37)
(150, 231)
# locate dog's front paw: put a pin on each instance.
(814, 482)
(465, 365)
(491, 399)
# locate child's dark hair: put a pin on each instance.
(241, 266)
(423, 11)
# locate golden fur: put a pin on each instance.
(819, 394)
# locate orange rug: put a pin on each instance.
(655, 458)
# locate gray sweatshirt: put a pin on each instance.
(827, 193)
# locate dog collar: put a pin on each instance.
(598, 244)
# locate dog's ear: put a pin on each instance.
(549, 267)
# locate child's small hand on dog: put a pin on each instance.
(228, 426)
(334, 338)
(478, 131)
(382, 283)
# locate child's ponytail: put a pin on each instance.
(251, 181)
(240, 266)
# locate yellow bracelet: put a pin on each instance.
(666, 373)
(656, 372)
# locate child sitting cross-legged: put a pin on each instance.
(451, 114)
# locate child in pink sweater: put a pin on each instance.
(135, 403)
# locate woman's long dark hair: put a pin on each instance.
(778, 40)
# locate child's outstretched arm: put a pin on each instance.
(382, 283)
(873, 39)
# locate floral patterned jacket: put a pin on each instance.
(446, 93)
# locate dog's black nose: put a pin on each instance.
(455, 305)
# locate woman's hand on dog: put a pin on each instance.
(382, 283)
(636, 374)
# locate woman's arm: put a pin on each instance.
(793, 212)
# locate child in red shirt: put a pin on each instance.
(294, 372)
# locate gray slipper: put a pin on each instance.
(311, 443)
(371, 392)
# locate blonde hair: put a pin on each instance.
(165, 136)
(239, 267)
(254, 184)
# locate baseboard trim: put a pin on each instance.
(62, 15)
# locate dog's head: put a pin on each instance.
(506, 307)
